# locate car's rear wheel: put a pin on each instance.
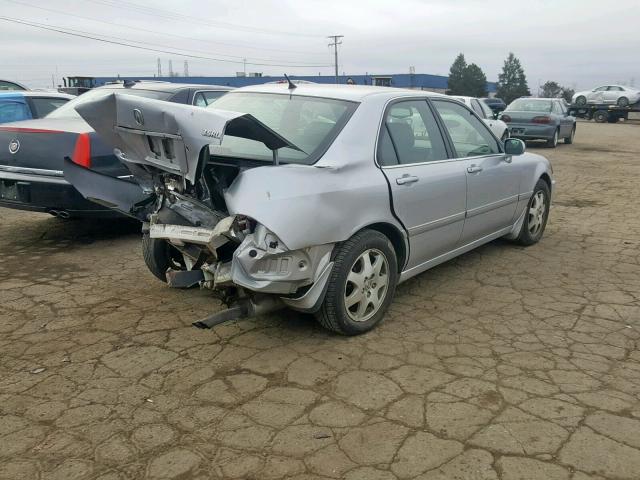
(536, 215)
(623, 102)
(553, 141)
(161, 256)
(581, 101)
(569, 140)
(361, 285)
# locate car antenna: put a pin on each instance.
(291, 84)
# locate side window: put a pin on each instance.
(600, 89)
(212, 96)
(409, 135)
(475, 105)
(470, 136)
(14, 112)
(488, 113)
(199, 100)
(616, 89)
(44, 106)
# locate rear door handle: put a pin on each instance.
(474, 169)
(406, 179)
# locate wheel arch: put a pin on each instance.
(547, 179)
(397, 239)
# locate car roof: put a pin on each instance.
(162, 86)
(353, 93)
(33, 93)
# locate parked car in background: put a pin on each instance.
(8, 85)
(32, 151)
(611, 94)
(498, 127)
(319, 197)
(546, 119)
(495, 104)
(16, 106)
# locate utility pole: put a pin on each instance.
(170, 68)
(336, 42)
(186, 68)
(159, 67)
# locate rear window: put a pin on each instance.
(531, 105)
(45, 105)
(310, 123)
(68, 109)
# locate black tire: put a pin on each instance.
(333, 314)
(527, 236)
(160, 256)
(581, 101)
(569, 140)
(613, 119)
(623, 102)
(553, 141)
(601, 116)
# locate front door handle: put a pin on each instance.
(474, 169)
(406, 179)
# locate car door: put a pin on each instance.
(597, 95)
(493, 179)
(612, 94)
(428, 187)
(566, 122)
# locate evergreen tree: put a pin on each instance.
(475, 81)
(567, 93)
(551, 89)
(457, 76)
(512, 82)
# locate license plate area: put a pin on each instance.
(8, 190)
(517, 131)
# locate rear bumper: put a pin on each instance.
(528, 131)
(43, 191)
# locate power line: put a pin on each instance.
(173, 16)
(125, 43)
(164, 34)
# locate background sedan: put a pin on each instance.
(498, 127)
(540, 119)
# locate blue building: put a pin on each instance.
(420, 81)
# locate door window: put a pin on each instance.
(203, 99)
(44, 106)
(469, 135)
(600, 89)
(409, 135)
(475, 105)
(488, 113)
(13, 111)
(616, 89)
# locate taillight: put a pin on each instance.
(505, 118)
(82, 151)
(542, 119)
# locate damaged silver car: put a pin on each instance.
(320, 198)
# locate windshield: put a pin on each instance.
(530, 105)
(310, 123)
(68, 109)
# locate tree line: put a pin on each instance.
(469, 80)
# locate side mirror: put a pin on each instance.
(514, 146)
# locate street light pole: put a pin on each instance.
(336, 42)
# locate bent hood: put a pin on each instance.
(167, 135)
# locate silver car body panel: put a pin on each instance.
(609, 94)
(303, 211)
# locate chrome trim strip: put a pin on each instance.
(526, 195)
(31, 171)
(492, 206)
(441, 222)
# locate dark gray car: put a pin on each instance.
(540, 119)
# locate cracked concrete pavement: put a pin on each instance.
(506, 363)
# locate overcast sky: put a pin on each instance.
(579, 43)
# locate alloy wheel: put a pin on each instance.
(537, 211)
(367, 285)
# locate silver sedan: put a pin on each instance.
(319, 198)
(610, 94)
